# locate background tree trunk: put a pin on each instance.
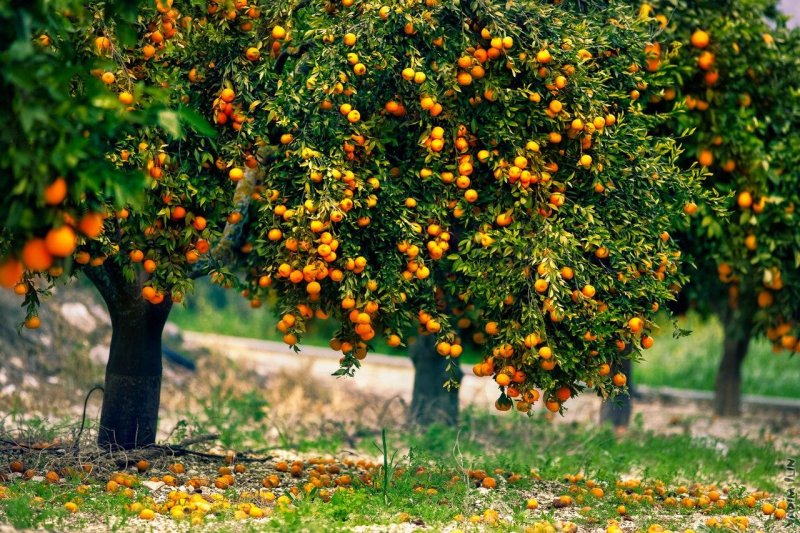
(727, 393)
(431, 402)
(132, 391)
(618, 411)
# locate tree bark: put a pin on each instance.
(618, 411)
(131, 398)
(727, 394)
(431, 402)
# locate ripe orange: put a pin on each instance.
(545, 352)
(252, 53)
(35, 255)
(563, 394)
(55, 193)
(464, 78)
(744, 200)
(61, 242)
(635, 324)
(544, 57)
(125, 98)
(706, 60)
(589, 291)
(227, 95)
(235, 174)
(700, 39)
(765, 299)
(91, 225)
(148, 292)
(278, 33)
(33, 322)
(619, 380)
(10, 273)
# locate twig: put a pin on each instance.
(77, 442)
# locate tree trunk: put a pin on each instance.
(132, 391)
(618, 410)
(431, 402)
(727, 393)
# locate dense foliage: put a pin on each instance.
(483, 168)
(737, 76)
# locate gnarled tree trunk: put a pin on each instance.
(737, 327)
(431, 402)
(132, 391)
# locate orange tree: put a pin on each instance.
(425, 165)
(735, 76)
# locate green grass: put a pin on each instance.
(689, 362)
(427, 482)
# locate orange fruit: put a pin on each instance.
(125, 98)
(545, 352)
(35, 255)
(148, 293)
(619, 380)
(278, 33)
(227, 95)
(744, 200)
(10, 272)
(464, 78)
(55, 193)
(563, 394)
(199, 223)
(543, 56)
(765, 299)
(91, 225)
(252, 53)
(700, 39)
(61, 242)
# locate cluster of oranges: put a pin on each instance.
(468, 170)
(49, 253)
(226, 111)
